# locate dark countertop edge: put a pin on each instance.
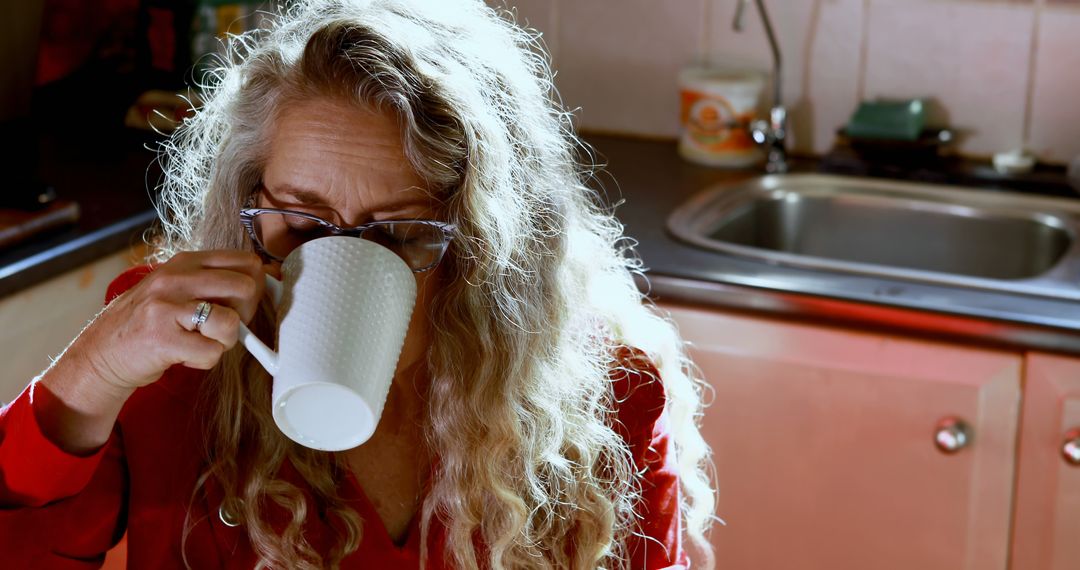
(867, 316)
(73, 253)
(1049, 313)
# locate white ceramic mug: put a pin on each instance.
(344, 305)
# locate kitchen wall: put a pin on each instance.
(47, 316)
(1003, 73)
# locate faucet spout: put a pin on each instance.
(740, 9)
(772, 133)
(737, 25)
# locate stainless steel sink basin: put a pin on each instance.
(941, 234)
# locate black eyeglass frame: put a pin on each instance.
(247, 219)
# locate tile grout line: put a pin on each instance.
(808, 48)
(555, 21)
(864, 51)
(554, 48)
(706, 37)
(1029, 95)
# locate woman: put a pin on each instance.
(540, 416)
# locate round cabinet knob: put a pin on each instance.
(1071, 449)
(952, 435)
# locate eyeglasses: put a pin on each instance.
(276, 233)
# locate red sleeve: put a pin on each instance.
(642, 420)
(58, 510)
(126, 280)
(33, 470)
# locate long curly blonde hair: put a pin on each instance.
(539, 288)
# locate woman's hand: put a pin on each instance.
(140, 335)
(149, 328)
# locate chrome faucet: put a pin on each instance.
(771, 133)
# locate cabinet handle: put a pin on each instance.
(1071, 449)
(952, 435)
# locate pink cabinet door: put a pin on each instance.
(824, 442)
(1046, 535)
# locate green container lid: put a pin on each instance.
(888, 120)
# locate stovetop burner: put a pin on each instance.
(953, 170)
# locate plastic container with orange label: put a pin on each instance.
(717, 109)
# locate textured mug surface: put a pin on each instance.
(342, 320)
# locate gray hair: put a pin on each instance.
(539, 292)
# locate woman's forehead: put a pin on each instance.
(343, 156)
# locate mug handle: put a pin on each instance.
(264, 354)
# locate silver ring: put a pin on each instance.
(202, 312)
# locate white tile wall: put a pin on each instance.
(619, 59)
(1055, 111)
(832, 76)
(541, 15)
(972, 58)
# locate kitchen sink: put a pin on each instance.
(919, 232)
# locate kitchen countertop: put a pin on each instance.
(108, 175)
(654, 180)
(110, 180)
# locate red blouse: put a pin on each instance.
(61, 511)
